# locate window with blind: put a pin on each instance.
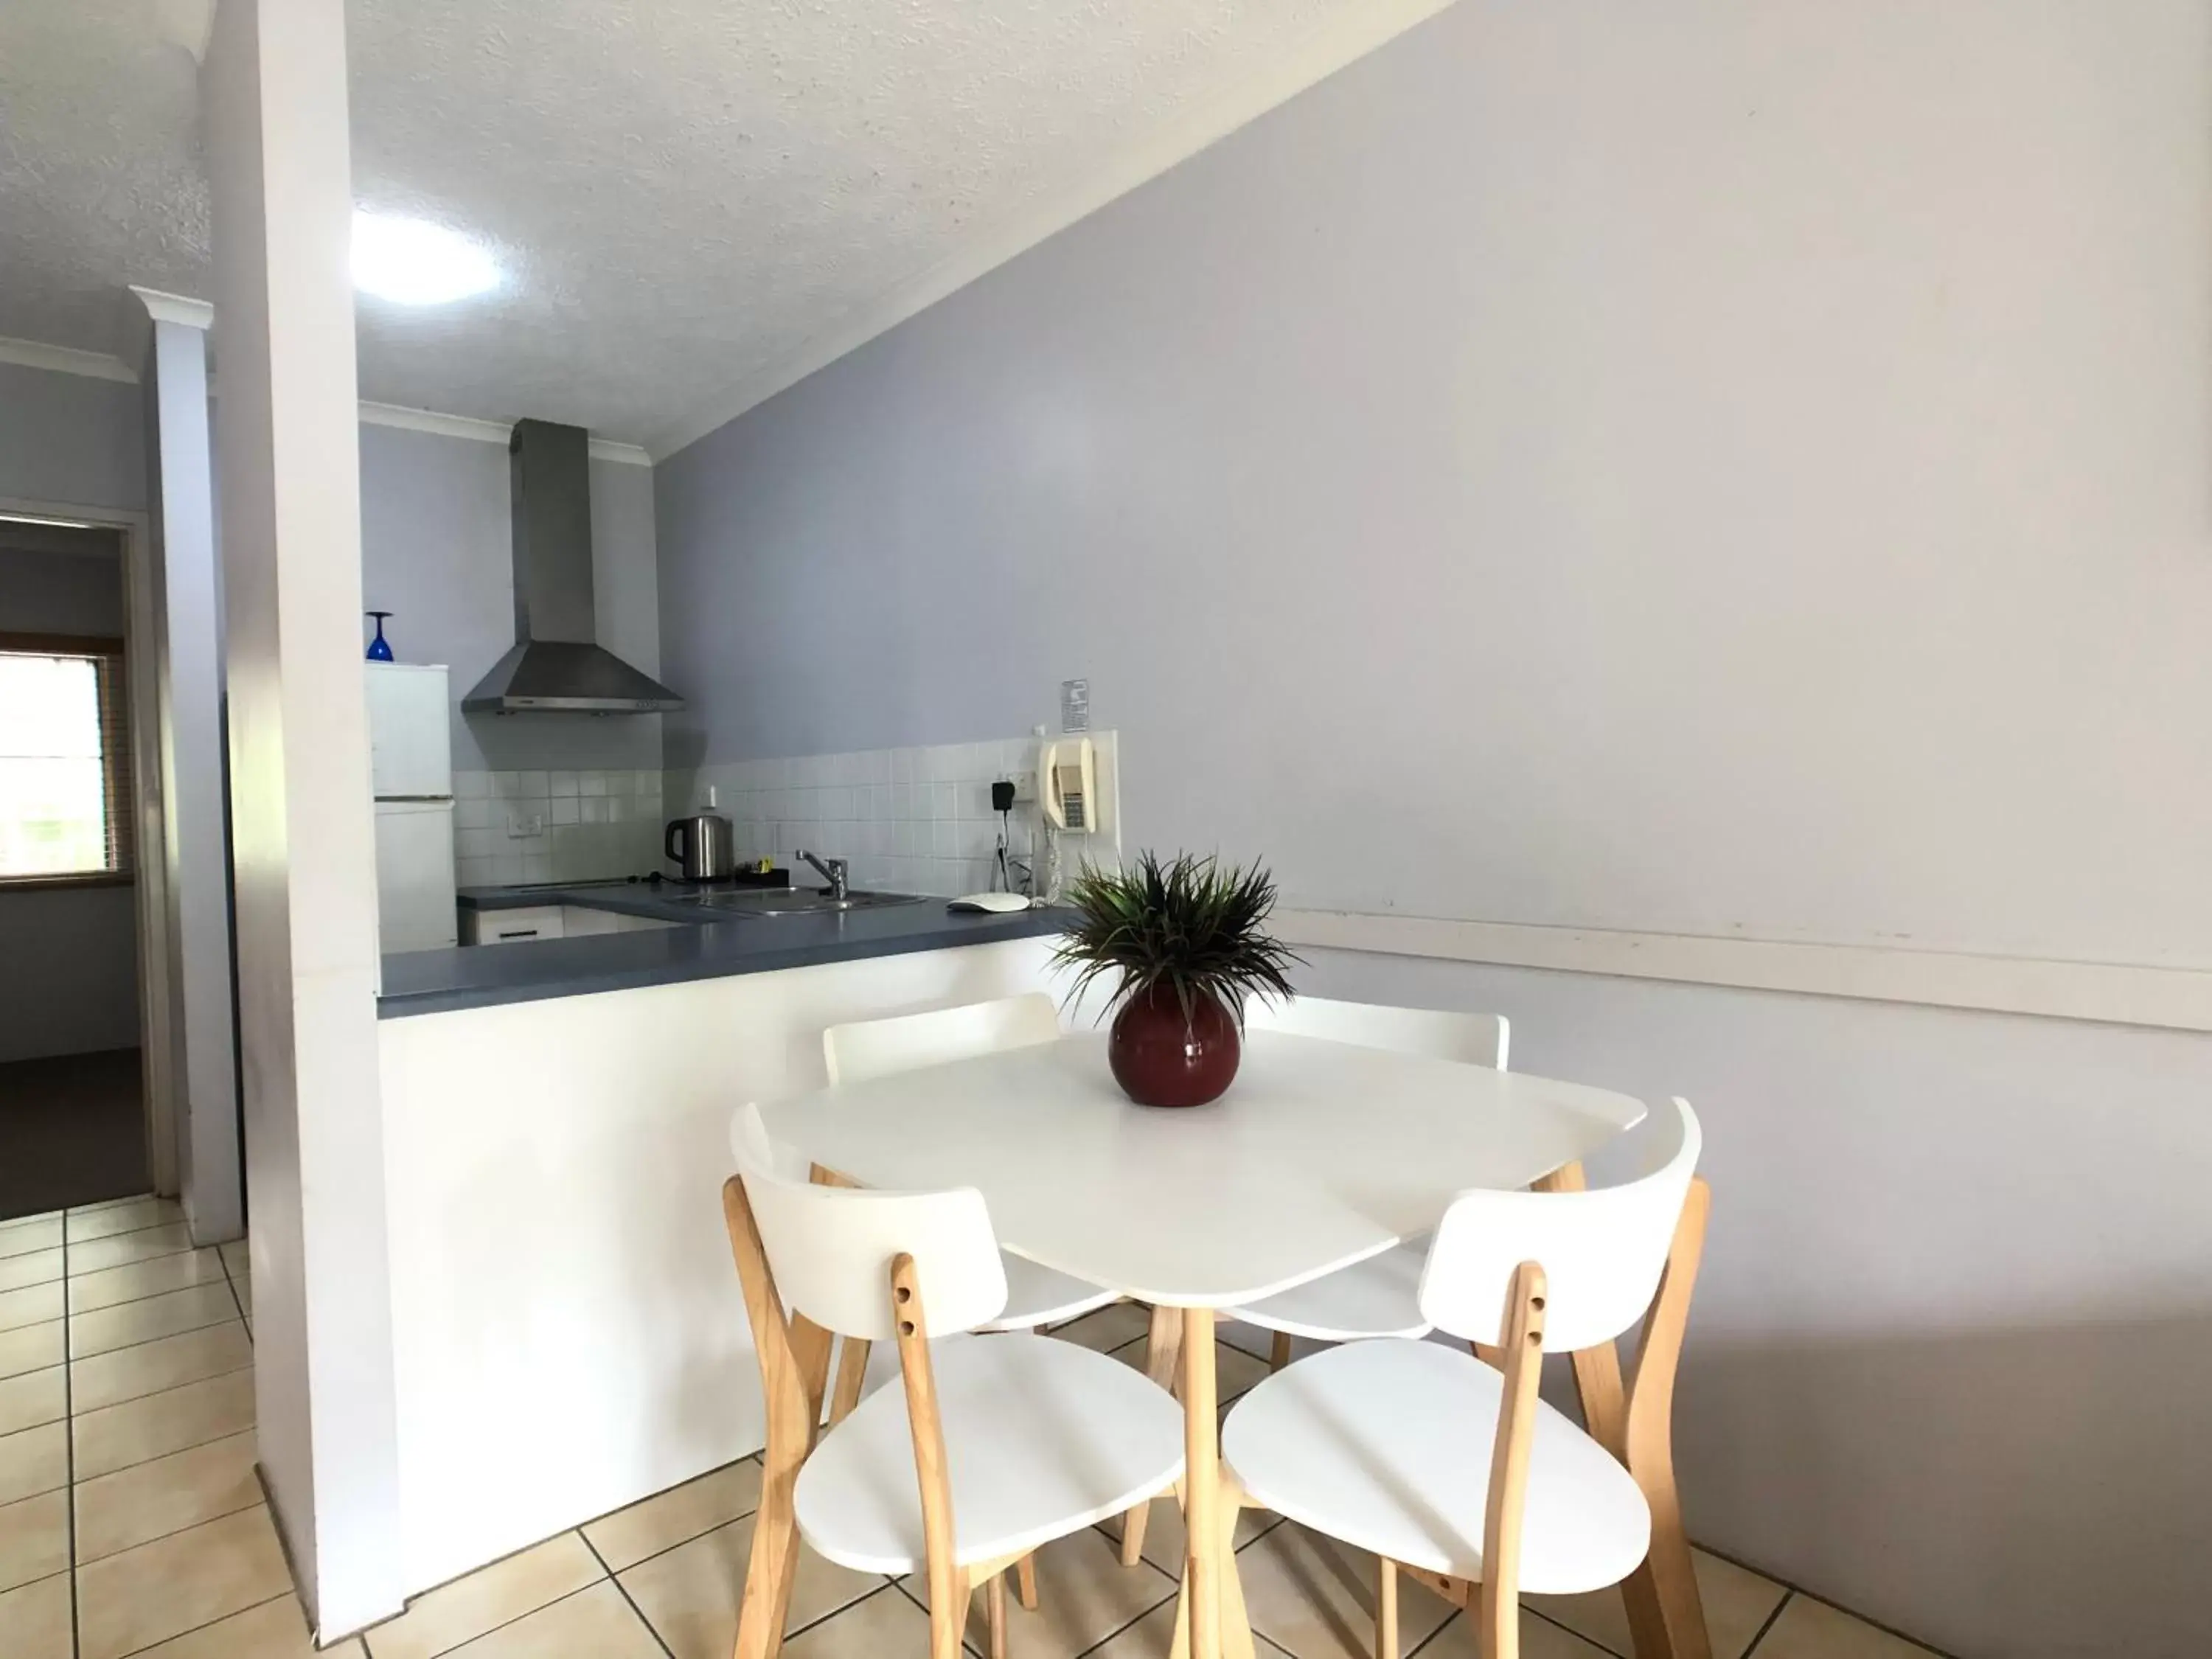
(65, 808)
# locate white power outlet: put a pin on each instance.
(520, 827)
(1024, 784)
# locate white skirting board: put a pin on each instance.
(2120, 993)
(568, 1333)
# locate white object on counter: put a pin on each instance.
(998, 904)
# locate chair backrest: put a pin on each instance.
(830, 1249)
(1437, 1033)
(1602, 1251)
(875, 1047)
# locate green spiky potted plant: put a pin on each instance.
(1187, 941)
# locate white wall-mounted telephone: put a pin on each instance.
(1067, 785)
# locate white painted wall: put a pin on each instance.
(1740, 466)
(274, 90)
(568, 1332)
(195, 818)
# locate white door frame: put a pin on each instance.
(157, 1033)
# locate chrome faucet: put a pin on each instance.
(833, 872)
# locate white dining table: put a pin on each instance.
(1319, 1155)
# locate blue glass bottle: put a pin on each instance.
(378, 650)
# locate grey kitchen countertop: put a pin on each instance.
(486, 975)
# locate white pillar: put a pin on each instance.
(274, 94)
(195, 851)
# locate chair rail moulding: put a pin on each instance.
(2109, 993)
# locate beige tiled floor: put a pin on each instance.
(131, 1521)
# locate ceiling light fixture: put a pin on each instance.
(412, 262)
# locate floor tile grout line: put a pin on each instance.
(566, 1596)
(259, 1502)
(1861, 1619)
(1610, 1653)
(889, 1583)
(236, 1301)
(1772, 1618)
(155, 1394)
(1121, 1628)
(1437, 1635)
(899, 1584)
(413, 1596)
(69, 1432)
(622, 1591)
(214, 1250)
(235, 1613)
(174, 1451)
(667, 1548)
(139, 1262)
(125, 1347)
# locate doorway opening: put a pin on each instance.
(74, 1098)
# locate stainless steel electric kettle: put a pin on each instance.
(703, 847)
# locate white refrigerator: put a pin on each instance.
(410, 751)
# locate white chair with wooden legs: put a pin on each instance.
(1451, 1469)
(999, 1444)
(876, 1047)
(1377, 1297)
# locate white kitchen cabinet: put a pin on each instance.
(513, 926)
(554, 922)
(411, 734)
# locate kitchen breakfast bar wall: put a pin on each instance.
(1792, 530)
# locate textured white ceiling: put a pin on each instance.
(683, 193)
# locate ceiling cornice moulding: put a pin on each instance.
(175, 308)
(65, 360)
(99, 366)
(480, 431)
(1327, 50)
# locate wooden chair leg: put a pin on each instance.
(851, 1372)
(948, 1618)
(795, 1360)
(1666, 1614)
(1279, 1351)
(995, 1596)
(1386, 1607)
(1025, 1582)
(1163, 1345)
(766, 1602)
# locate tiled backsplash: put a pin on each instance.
(916, 820)
(574, 825)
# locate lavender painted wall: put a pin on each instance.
(1725, 467)
(436, 549)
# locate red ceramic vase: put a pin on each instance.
(1160, 1058)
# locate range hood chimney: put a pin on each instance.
(557, 664)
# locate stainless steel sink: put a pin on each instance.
(797, 901)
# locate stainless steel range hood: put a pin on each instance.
(557, 664)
